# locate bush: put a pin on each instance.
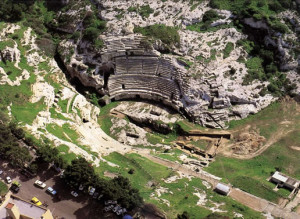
(210, 16)
(91, 34)
(228, 49)
(145, 11)
(278, 26)
(166, 34)
(131, 171)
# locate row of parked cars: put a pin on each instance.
(42, 185)
(113, 206)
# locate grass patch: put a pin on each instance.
(202, 144)
(228, 49)
(56, 115)
(104, 118)
(64, 132)
(168, 35)
(63, 105)
(251, 175)
(3, 188)
(68, 157)
(28, 112)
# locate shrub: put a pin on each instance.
(131, 171)
(228, 49)
(210, 16)
(91, 34)
(166, 34)
(145, 11)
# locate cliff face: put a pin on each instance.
(202, 76)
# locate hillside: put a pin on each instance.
(127, 84)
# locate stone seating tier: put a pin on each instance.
(151, 84)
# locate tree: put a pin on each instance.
(18, 156)
(120, 190)
(91, 34)
(79, 172)
(47, 153)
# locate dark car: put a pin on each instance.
(14, 188)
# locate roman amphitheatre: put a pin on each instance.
(176, 96)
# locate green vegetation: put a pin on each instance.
(80, 172)
(67, 157)
(183, 199)
(9, 146)
(228, 49)
(205, 25)
(251, 175)
(168, 35)
(255, 8)
(202, 144)
(27, 113)
(171, 155)
(56, 115)
(180, 192)
(63, 105)
(3, 188)
(144, 10)
(64, 132)
(104, 118)
(94, 26)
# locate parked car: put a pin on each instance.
(14, 188)
(8, 180)
(100, 196)
(110, 207)
(1, 172)
(40, 184)
(110, 202)
(116, 208)
(75, 194)
(91, 190)
(96, 194)
(81, 187)
(51, 191)
(36, 201)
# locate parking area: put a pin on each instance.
(62, 205)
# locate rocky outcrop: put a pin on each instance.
(155, 125)
(10, 54)
(210, 91)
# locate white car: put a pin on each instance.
(8, 180)
(75, 194)
(92, 191)
(40, 184)
(81, 187)
(51, 191)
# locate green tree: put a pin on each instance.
(79, 172)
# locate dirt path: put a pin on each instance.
(245, 198)
(272, 140)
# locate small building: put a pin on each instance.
(285, 180)
(222, 189)
(17, 208)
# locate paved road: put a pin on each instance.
(245, 198)
(68, 207)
